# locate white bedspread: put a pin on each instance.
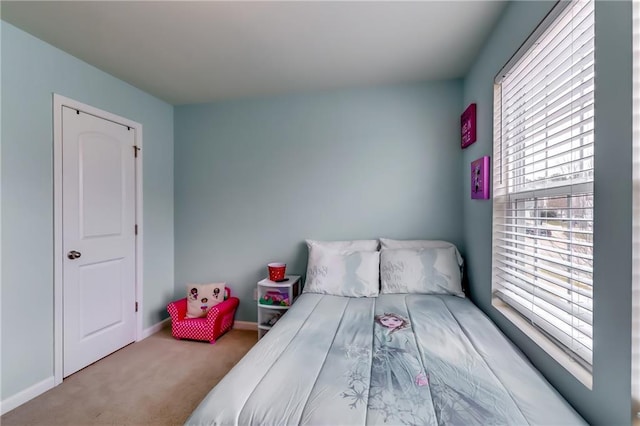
(394, 359)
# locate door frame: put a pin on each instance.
(58, 283)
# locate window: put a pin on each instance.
(543, 181)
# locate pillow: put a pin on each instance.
(433, 270)
(318, 248)
(387, 243)
(201, 297)
(343, 273)
(350, 245)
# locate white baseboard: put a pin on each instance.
(28, 394)
(240, 325)
(245, 325)
(155, 328)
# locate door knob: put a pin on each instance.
(74, 254)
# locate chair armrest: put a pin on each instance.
(177, 309)
(223, 307)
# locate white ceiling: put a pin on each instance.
(201, 51)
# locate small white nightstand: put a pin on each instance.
(268, 314)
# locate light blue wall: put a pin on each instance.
(254, 178)
(31, 72)
(610, 400)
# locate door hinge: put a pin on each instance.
(135, 151)
(136, 306)
(136, 229)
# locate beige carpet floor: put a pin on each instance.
(157, 381)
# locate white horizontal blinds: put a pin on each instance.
(543, 181)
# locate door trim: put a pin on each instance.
(58, 258)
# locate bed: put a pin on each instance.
(396, 358)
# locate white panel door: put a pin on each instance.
(98, 209)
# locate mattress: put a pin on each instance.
(394, 359)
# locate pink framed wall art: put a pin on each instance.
(480, 178)
(468, 126)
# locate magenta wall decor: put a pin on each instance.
(480, 178)
(468, 126)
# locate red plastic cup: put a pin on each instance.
(276, 271)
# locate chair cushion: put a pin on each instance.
(201, 297)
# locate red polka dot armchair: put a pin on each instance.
(218, 320)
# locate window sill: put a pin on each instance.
(561, 357)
